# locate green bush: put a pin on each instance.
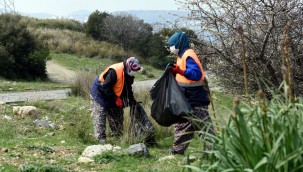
(21, 55)
(160, 62)
(266, 137)
(59, 24)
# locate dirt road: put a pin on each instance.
(57, 73)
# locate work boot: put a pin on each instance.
(151, 142)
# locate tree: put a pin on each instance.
(95, 26)
(21, 55)
(261, 25)
(129, 32)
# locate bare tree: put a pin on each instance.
(128, 31)
(262, 23)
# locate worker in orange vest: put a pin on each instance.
(110, 92)
(190, 77)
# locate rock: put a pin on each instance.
(25, 111)
(43, 123)
(4, 150)
(167, 158)
(94, 150)
(138, 149)
(84, 160)
(8, 117)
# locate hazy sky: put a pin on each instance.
(64, 7)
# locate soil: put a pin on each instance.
(58, 73)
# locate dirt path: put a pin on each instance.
(58, 73)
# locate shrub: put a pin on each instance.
(59, 24)
(160, 62)
(81, 84)
(266, 137)
(21, 55)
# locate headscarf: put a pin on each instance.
(132, 64)
(180, 40)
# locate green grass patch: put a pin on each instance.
(30, 147)
(95, 65)
(19, 86)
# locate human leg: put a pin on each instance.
(204, 126)
(183, 133)
(115, 121)
(99, 121)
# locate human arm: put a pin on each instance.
(128, 93)
(110, 78)
(191, 72)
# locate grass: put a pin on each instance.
(19, 86)
(28, 146)
(94, 65)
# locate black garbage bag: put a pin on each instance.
(140, 125)
(169, 103)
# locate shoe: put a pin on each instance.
(172, 152)
(102, 140)
(151, 142)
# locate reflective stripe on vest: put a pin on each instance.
(182, 80)
(119, 68)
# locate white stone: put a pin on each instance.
(167, 158)
(84, 160)
(25, 111)
(94, 150)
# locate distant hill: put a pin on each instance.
(157, 18)
(149, 16)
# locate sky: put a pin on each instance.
(64, 7)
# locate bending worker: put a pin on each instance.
(110, 92)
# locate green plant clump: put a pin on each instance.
(266, 137)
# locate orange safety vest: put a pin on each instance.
(182, 80)
(119, 68)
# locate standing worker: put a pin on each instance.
(110, 92)
(190, 77)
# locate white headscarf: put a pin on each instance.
(132, 64)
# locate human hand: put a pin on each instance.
(119, 102)
(176, 69)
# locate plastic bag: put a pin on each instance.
(140, 125)
(169, 103)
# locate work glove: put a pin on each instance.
(176, 69)
(119, 102)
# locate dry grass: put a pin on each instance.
(68, 41)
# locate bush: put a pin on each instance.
(81, 84)
(160, 62)
(59, 24)
(21, 55)
(266, 137)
